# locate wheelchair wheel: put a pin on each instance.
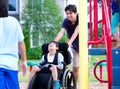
(69, 80)
(33, 83)
(37, 83)
(50, 83)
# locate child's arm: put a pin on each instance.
(60, 61)
(42, 62)
(59, 67)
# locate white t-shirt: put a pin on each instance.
(10, 35)
(51, 58)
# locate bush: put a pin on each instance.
(34, 53)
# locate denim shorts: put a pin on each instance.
(115, 22)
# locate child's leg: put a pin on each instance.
(55, 77)
(116, 37)
(32, 73)
(56, 85)
(115, 22)
(114, 27)
(54, 72)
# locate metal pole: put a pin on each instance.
(83, 44)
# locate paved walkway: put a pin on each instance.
(95, 85)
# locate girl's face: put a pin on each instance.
(70, 15)
(52, 46)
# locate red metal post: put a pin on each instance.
(106, 23)
(95, 20)
(109, 8)
(101, 73)
(30, 68)
(91, 22)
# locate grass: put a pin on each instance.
(91, 76)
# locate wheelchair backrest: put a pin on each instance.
(63, 48)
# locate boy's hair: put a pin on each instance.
(3, 8)
(57, 44)
(71, 8)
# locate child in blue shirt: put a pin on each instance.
(115, 20)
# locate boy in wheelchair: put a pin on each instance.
(49, 62)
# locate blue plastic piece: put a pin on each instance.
(115, 87)
(32, 63)
(101, 64)
(97, 51)
(115, 68)
(116, 76)
(116, 57)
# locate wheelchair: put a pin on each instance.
(66, 76)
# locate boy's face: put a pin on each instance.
(70, 15)
(52, 46)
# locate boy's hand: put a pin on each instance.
(23, 65)
(70, 44)
(115, 0)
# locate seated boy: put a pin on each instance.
(50, 63)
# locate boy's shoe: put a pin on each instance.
(56, 85)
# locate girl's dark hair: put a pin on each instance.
(3, 8)
(71, 8)
(57, 44)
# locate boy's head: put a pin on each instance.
(53, 45)
(71, 12)
(71, 8)
(3, 8)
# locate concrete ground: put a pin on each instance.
(95, 85)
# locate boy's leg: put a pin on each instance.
(56, 84)
(75, 62)
(54, 72)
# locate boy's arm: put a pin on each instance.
(60, 61)
(42, 61)
(73, 37)
(59, 67)
(22, 48)
(60, 35)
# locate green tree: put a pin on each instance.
(44, 18)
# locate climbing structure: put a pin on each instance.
(105, 38)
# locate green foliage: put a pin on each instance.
(100, 30)
(34, 53)
(44, 18)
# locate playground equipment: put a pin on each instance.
(116, 69)
(112, 54)
(83, 37)
(100, 68)
(31, 64)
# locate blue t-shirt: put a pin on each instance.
(67, 24)
(115, 6)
